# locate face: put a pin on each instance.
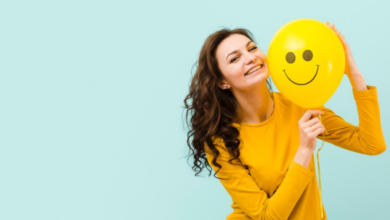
(301, 64)
(242, 64)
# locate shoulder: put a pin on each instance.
(218, 144)
(282, 100)
(286, 107)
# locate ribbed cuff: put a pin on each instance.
(296, 167)
(370, 92)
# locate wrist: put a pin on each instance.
(357, 81)
(354, 71)
(303, 156)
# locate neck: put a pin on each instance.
(255, 105)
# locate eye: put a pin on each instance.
(253, 48)
(234, 59)
(307, 55)
(290, 57)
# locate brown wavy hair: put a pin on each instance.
(212, 109)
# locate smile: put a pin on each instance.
(301, 84)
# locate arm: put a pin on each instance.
(252, 200)
(367, 138)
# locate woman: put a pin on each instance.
(260, 144)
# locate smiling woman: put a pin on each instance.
(260, 144)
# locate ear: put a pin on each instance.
(222, 84)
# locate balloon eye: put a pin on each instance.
(290, 57)
(307, 55)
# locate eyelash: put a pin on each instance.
(232, 60)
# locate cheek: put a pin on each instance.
(232, 75)
(236, 72)
(262, 55)
(233, 72)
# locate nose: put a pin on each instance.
(250, 58)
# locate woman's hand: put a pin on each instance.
(351, 70)
(350, 65)
(310, 127)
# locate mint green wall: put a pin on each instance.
(91, 124)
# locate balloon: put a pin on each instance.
(306, 60)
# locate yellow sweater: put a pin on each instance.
(270, 185)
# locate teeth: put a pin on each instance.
(254, 69)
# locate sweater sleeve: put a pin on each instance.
(252, 200)
(367, 138)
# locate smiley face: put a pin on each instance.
(307, 55)
(306, 62)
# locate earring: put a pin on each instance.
(226, 87)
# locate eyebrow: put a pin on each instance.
(236, 50)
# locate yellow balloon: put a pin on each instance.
(306, 60)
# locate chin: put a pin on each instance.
(259, 78)
(257, 82)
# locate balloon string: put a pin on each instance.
(319, 170)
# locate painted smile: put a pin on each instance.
(301, 84)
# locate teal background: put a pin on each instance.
(91, 117)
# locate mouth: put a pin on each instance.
(254, 69)
(301, 84)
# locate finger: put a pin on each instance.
(308, 114)
(318, 131)
(312, 122)
(315, 127)
(336, 30)
(343, 38)
(334, 27)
